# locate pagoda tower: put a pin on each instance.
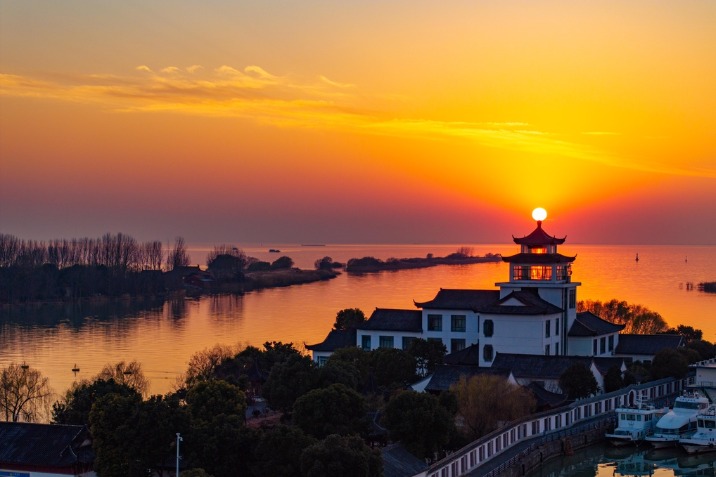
(541, 269)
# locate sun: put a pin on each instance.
(539, 214)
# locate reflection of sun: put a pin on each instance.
(539, 214)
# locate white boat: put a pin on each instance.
(680, 421)
(635, 423)
(704, 439)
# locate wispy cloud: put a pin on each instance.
(285, 101)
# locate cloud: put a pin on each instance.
(284, 101)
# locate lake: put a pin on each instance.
(607, 461)
(162, 336)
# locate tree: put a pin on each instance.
(344, 456)
(486, 400)
(76, 406)
(178, 256)
(223, 447)
(636, 319)
(287, 463)
(130, 374)
(326, 263)
(282, 263)
(113, 432)
(706, 349)
(419, 422)
(577, 381)
(207, 399)
(25, 394)
(669, 363)
(392, 368)
(288, 380)
(358, 359)
(203, 364)
(348, 319)
(336, 409)
(613, 379)
(428, 354)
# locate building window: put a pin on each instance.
(407, 341)
(386, 342)
(488, 328)
(556, 327)
(365, 342)
(435, 322)
(572, 298)
(546, 329)
(487, 353)
(594, 347)
(457, 344)
(556, 349)
(457, 323)
(546, 350)
(611, 342)
(602, 345)
(322, 360)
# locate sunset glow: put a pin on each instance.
(235, 122)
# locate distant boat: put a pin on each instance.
(637, 257)
(274, 250)
(75, 369)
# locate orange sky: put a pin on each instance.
(397, 121)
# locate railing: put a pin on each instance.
(544, 425)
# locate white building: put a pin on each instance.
(533, 313)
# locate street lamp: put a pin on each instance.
(179, 439)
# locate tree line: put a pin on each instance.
(111, 265)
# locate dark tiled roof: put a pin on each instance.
(336, 339)
(546, 399)
(538, 258)
(538, 237)
(461, 299)
(647, 344)
(589, 324)
(398, 462)
(549, 367)
(394, 320)
(447, 375)
(468, 356)
(46, 445)
(531, 304)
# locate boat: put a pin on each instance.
(704, 439)
(634, 423)
(274, 250)
(680, 421)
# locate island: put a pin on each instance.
(461, 257)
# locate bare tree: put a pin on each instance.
(178, 256)
(25, 394)
(130, 374)
(484, 401)
(202, 364)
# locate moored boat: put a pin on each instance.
(704, 439)
(634, 423)
(679, 422)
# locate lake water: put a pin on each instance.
(163, 336)
(606, 461)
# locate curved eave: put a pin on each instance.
(539, 237)
(539, 258)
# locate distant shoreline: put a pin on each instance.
(373, 265)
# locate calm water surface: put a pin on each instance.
(605, 461)
(164, 336)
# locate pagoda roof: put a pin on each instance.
(459, 299)
(539, 258)
(388, 319)
(539, 237)
(521, 302)
(336, 339)
(589, 324)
